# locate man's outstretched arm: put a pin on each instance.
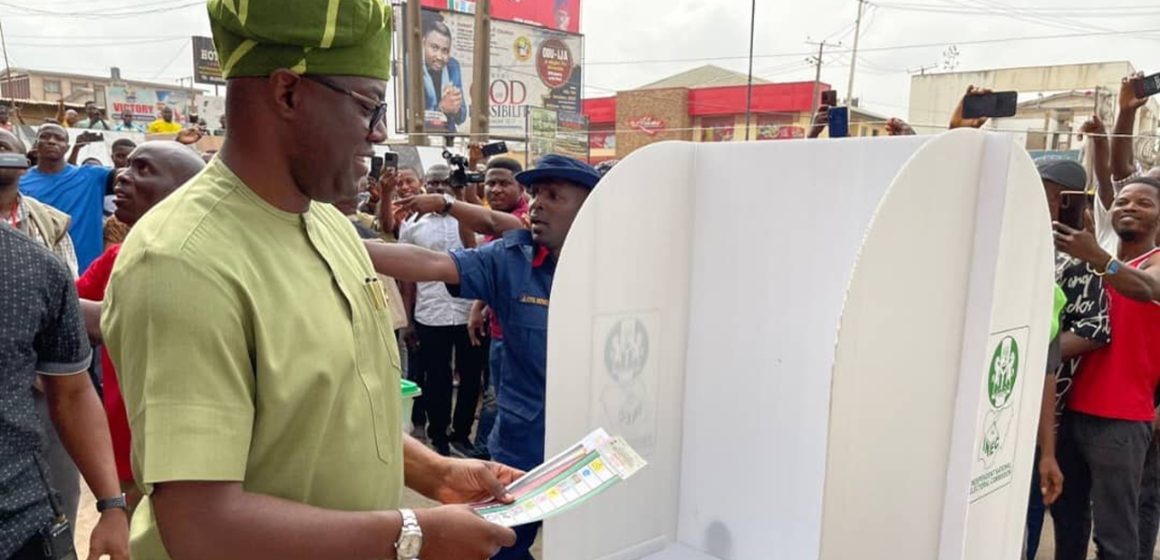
(410, 263)
(472, 216)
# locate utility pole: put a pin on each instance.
(921, 71)
(8, 71)
(749, 85)
(854, 54)
(817, 62)
(414, 89)
(481, 71)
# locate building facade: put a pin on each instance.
(708, 104)
(111, 93)
(1053, 100)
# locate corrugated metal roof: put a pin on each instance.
(708, 75)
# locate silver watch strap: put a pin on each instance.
(409, 519)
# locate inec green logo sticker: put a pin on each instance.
(1004, 369)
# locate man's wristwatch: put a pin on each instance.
(448, 202)
(112, 503)
(1113, 267)
(410, 537)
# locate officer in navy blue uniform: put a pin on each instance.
(513, 275)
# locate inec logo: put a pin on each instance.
(995, 452)
(626, 350)
(1003, 373)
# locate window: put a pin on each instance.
(75, 87)
(51, 86)
(99, 96)
(874, 132)
(775, 127)
(717, 129)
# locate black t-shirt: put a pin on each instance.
(1085, 315)
(40, 331)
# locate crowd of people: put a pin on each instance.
(254, 310)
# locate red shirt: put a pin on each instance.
(1119, 380)
(91, 285)
(521, 212)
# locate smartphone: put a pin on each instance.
(376, 168)
(493, 149)
(390, 160)
(996, 104)
(10, 160)
(839, 122)
(830, 98)
(1072, 206)
(1147, 86)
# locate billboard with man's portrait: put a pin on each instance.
(530, 67)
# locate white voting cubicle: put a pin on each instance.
(825, 349)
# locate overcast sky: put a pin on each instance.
(623, 35)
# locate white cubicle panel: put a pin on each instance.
(957, 260)
(618, 328)
(775, 244)
(696, 312)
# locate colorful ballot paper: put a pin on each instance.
(584, 470)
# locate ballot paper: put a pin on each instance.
(586, 469)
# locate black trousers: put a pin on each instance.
(437, 347)
(1103, 463)
(1150, 501)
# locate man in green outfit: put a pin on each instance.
(251, 336)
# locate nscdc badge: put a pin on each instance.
(523, 48)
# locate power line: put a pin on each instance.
(796, 54)
(881, 49)
(1110, 12)
(179, 52)
(115, 44)
(130, 11)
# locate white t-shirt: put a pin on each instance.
(434, 306)
(1105, 235)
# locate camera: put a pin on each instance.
(460, 176)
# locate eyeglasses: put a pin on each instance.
(378, 114)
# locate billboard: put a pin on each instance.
(562, 15)
(206, 68)
(530, 67)
(556, 132)
(146, 103)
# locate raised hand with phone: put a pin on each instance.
(1133, 95)
(980, 104)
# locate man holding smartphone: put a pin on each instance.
(1083, 328)
(1109, 415)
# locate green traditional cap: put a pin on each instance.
(330, 37)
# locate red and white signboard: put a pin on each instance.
(647, 124)
(563, 15)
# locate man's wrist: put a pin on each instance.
(392, 523)
(1103, 260)
(112, 503)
